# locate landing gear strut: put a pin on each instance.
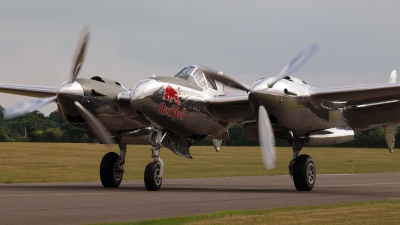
(154, 170)
(302, 168)
(112, 167)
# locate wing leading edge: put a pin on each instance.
(31, 91)
(353, 96)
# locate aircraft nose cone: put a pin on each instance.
(142, 89)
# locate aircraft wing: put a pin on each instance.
(31, 91)
(363, 107)
(353, 96)
(232, 108)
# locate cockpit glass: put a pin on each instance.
(190, 70)
(185, 72)
(195, 75)
(211, 84)
(200, 79)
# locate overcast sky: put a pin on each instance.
(359, 40)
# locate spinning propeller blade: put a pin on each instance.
(96, 127)
(266, 138)
(27, 107)
(212, 74)
(292, 66)
(296, 62)
(80, 54)
(393, 77)
(265, 132)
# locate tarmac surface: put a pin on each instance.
(89, 202)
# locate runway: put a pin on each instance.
(78, 203)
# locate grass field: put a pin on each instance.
(65, 162)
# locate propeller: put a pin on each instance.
(296, 62)
(393, 77)
(265, 132)
(27, 107)
(266, 137)
(97, 128)
(225, 79)
(289, 68)
(80, 54)
(30, 106)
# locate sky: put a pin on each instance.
(130, 40)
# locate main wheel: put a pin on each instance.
(304, 173)
(151, 179)
(110, 174)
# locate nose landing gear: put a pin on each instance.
(154, 170)
(112, 164)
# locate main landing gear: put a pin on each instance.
(112, 164)
(302, 168)
(112, 167)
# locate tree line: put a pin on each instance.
(36, 127)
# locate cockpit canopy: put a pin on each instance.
(195, 75)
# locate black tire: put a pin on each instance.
(151, 181)
(108, 171)
(304, 173)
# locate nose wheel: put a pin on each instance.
(154, 170)
(152, 178)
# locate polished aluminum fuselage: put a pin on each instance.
(123, 110)
(183, 108)
(179, 106)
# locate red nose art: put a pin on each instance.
(173, 111)
(171, 95)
